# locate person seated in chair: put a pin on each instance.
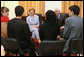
(4, 21)
(33, 21)
(61, 19)
(73, 27)
(19, 30)
(50, 29)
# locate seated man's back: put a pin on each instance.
(19, 30)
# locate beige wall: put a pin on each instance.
(11, 5)
(2, 3)
(52, 5)
(48, 5)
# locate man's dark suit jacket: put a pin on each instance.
(61, 20)
(19, 30)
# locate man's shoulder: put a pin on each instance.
(62, 15)
(16, 20)
(69, 19)
(13, 19)
(74, 17)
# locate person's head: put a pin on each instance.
(4, 11)
(32, 11)
(74, 10)
(51, 17)
(57, 11)
(19, 10)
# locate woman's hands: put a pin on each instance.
(62, 27)
(36, 26)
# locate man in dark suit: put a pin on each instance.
(19, 30)
(73, 27)
(61, 19)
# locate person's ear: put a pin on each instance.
(1, 12)
(72, 13)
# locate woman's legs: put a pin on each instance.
(36, 34)
(33, 35)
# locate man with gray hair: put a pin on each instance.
(61, 19)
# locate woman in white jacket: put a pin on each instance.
(33, 22)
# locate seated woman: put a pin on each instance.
(33, 21)
(50, 29)
(4, 21)
(19, 30)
